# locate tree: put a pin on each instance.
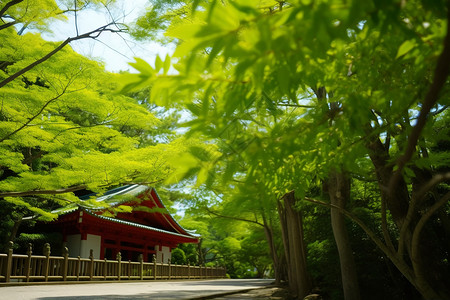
(227, 240)
(247, 203)
(385, 65)
(178, 257)
(63, 127)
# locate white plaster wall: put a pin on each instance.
(93, 242)
(163, 255)
(74, 245)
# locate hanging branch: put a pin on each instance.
(76, 17)
(232, 218)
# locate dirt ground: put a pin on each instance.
(272, 293)
(268, 293)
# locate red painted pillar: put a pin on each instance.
(145, 252)
(102, 248)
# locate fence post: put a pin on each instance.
(189, 270)
(9, 262)
(141, 266)
(28, 264)
(168, 261)
(129, 269)
(91, 264)
(105, 268)
(78, 267)
(66, 263)
(119, 265)
(154, 266)
(47, 260)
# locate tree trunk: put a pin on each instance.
(201, 256)
(273, 253)
(295, 249)
(13, 233)
(339, 191)
(398, 201)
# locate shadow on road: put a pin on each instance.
(156, 295)
(158, 290)
(234, 282)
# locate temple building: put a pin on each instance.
(131, 219)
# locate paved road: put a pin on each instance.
(132, 290)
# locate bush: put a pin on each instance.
(178, 257)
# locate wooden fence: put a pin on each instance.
(32, 268)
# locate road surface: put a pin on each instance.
(205, 289)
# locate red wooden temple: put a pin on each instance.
(134, 222)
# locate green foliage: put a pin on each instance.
(282, 93)
(190, 251)
(322, 255)
(63, 125)
(38, 240)
(288, 91)
(178, 257)
(158, 16)
(238, 246)
(32, 14)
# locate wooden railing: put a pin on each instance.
(32, 268)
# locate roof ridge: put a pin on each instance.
(136, 224)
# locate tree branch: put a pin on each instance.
(92, 34)
(43, 192)
(69, 189)
(384, 227)
(440, 76)
(8, 5)
(233, 218)
(33, 117)
(296, 105)
(442, 109)
(415, 249)
(6, 25)
(412, 206)
(398, 262)
(78, 127)
(76, 17)
(355, 219)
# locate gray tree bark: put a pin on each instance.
(295, 249)
(339, 192)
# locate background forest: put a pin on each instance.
(306, 141)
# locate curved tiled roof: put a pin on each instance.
(124, 192)
(119, 221)
(122, 195)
